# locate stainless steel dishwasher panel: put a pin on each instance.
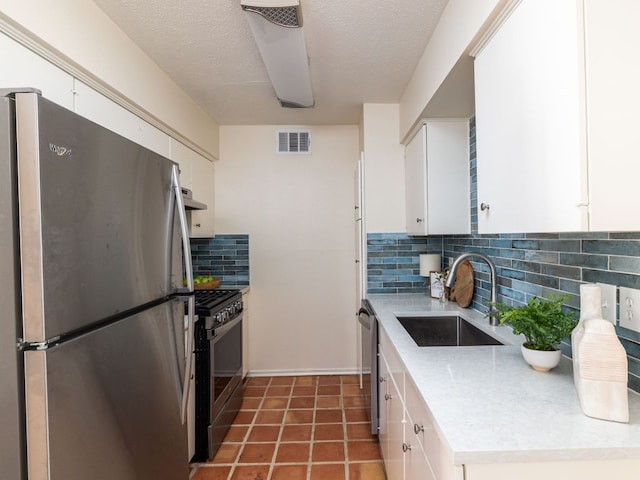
(369, 348)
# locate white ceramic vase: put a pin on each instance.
(540, 360)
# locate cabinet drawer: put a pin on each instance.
(396, 368)
(420, 418)
(417, 465)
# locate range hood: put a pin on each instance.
(189, 202)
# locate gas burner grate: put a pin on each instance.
(207, 300)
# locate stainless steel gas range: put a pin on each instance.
(218, 367)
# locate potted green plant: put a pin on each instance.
(544, 323)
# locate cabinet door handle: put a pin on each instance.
(382, 379)
(387, 396)
(419, 220)
(418, 428)
(198, 225)
(484, 206)
(406, 447)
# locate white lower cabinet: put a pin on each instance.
(417, 465)
(411, 448)
(390, 432)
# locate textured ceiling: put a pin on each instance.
(360, 51)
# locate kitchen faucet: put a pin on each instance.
(493, 319)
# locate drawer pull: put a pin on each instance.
(418, 428)
(387, 396)
(406, 447)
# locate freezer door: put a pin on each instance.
(106, 405)
(11, 414)
(97, 218)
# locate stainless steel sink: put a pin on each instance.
(445, 332)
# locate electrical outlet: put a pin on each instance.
(608, 302)
(630, 308)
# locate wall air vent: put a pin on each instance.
(297, 141)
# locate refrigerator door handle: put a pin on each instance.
(186, 249)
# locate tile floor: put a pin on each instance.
(298, 428)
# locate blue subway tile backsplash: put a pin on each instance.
(393, 262)
(223, 256)
(529, 265)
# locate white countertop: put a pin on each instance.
(490, 406)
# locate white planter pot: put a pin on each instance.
(540, 360)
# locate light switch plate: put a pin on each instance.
(608, 302)
(630, 308)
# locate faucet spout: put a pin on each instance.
(493, 319)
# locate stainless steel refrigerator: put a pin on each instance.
(93, 371)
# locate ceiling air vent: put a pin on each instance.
(298, 141)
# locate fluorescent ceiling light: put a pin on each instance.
(277, 29)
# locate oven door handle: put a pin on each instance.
(191, 305)
(221, 330)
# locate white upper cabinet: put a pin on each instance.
(99, 109)
(197, 174)
(437, 179)
(21, 67)
(556, 89)
(613, 103)
(154, 139)
(103, 111)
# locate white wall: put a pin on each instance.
(460, 23)
(384, 191)
(90, 42)
(298, 212)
